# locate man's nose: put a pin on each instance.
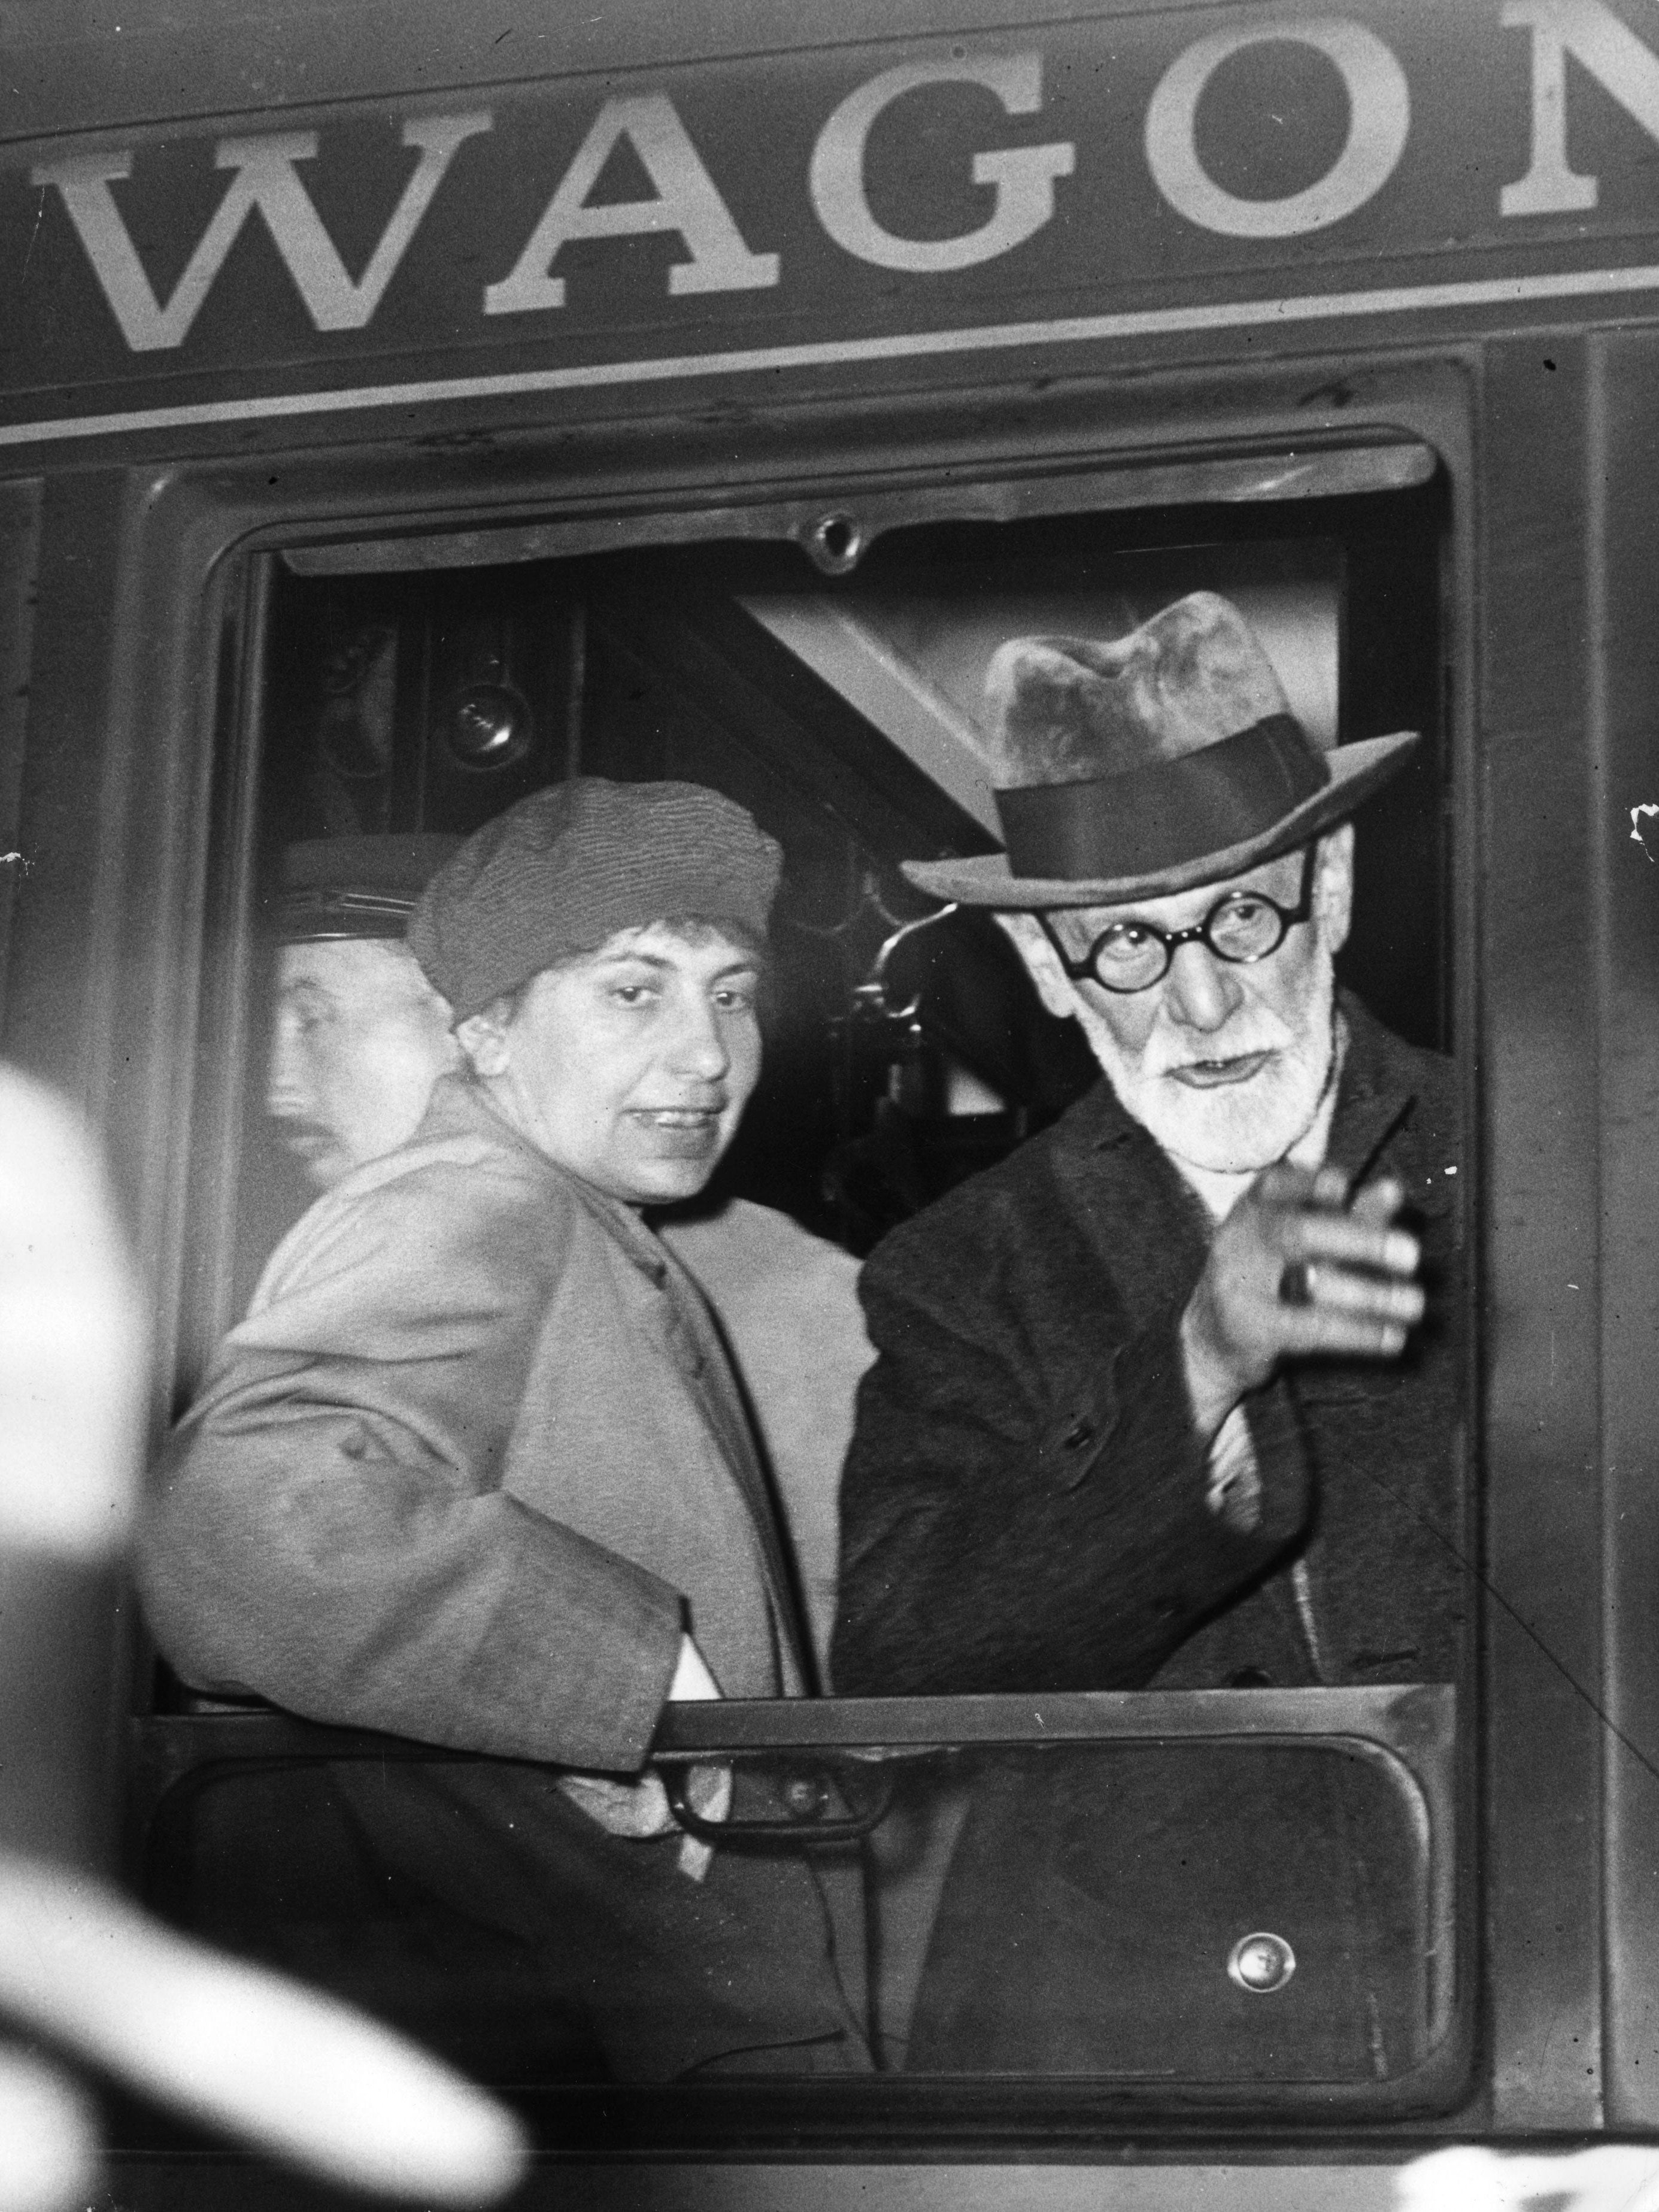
(285, 1092)
(1201, 991)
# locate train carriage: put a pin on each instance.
(406, 408)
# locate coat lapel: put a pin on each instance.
(721, 1399)
(1148, 1231)
(708, 1377)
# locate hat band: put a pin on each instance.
(303, 915)
(1166, 815)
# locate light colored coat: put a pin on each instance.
(471, 1464)
(788, 1305)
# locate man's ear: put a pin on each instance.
(1054, 986)
(443, 1016)
(483, 1038)
(1333, 885)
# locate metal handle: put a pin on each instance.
(805, 1793)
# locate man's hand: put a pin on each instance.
(1294, 1270)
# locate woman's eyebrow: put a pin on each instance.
(632, 960)
(741, 965)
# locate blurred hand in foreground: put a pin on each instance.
(231, 2046)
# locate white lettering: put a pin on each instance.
(687, 201)
(1024, 175)
(266, 181)
(1620, 65)
(1379, 119)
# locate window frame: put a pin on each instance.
(1428, 405)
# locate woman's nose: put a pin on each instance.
(699, 1046)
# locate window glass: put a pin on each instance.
(1252, 1900)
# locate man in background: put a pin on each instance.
(360, 1035)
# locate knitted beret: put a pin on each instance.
(568, 867)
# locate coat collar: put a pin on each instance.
(461, 1107)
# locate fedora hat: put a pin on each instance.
(1159, 761)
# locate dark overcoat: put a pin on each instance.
(1024, 1509)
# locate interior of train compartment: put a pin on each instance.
(844, 711)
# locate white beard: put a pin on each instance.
(1235, 1129)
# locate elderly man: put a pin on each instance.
(475, 1469)
(1157, 1399)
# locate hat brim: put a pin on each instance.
(331, 917)
(986, 879)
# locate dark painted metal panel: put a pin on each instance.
(1538, 1198)
(1625, 464)
(20, 534)
(1314, 471)
(1112, 247)
(63, 826)
(129, 655)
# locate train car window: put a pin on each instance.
(1243, 1887)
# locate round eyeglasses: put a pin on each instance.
(1240, 928)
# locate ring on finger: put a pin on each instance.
(1296, 1283)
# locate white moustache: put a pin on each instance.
(1232, 1128)
(1168, 1051)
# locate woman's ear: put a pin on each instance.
(1054, 986)
(483, 1038)
(1333, 885)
